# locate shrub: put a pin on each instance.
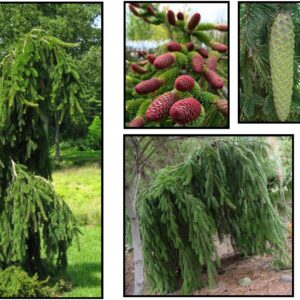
(14, 282)
(94, 133)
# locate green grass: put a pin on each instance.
(84, 269)
(81, 189)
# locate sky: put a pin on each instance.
(210, 12)
(97, 23)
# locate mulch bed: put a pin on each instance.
(265, 280)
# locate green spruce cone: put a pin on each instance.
(281, 61)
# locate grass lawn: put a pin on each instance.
(84, 269)
(81, 189)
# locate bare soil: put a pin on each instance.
(265, 280)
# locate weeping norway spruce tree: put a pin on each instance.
(37, 77)
(226, 188)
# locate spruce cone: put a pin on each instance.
(150, 10)
(190, 46)
(151, 58)
(203, 52)
(185, 111)
(142, 54)
(137, 69)
(171, 17)
(148, 86)
(133, 10)
(211, 63)
(219, 47)
(160, 107)
(184, 83)
(164, 61)
(180, 16)
(282, 43)
(142, 63)
(213, 78)
(222, 106)
(134, 4)
(173, 46)
(194, 21)
(222, 27)
(197, 63)
(137, 122)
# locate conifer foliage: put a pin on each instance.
(36, 77)
(192, 52)
(222, 189)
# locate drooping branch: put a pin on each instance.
(37, 78)
(222, 188)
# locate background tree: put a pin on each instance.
(137, 29)
(71, 23)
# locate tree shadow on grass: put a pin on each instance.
(85, 274)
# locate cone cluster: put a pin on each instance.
(184, 70)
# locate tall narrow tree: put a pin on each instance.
(36, 77)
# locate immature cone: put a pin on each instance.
(137, 122)
(173, 46)
(190, 46)
(151, 58)
(180, 16)
(148, 86)
(219, 47)
(171, 17)
(213, 78)
(222, 106)
(211, 63)
(212, 60)
(142, 53)
(194, 21)
(160, 107)
(222, 27)
(185, 111)
(164, 61)
(281, 60)
(137, 69)
(184, 83)
(202, 51)
(134, 4)
(142, 63)
(150, 10)
(197, 63)
(133, 10)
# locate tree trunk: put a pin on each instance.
(33, 251)
(136, 236)
(57, 148)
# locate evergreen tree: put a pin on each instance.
(224, 188)
(36, 78)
